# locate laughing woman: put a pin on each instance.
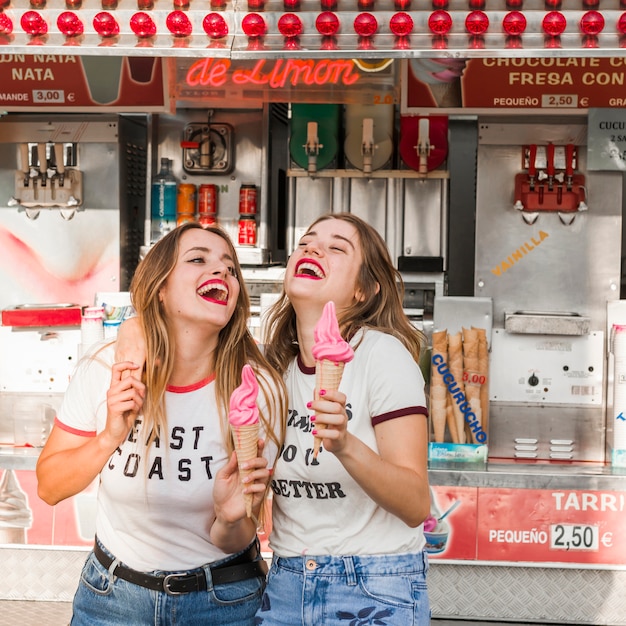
(174, 544)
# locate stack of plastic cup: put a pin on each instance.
(91, 327)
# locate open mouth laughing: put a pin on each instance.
(308, 268)
(214, 291)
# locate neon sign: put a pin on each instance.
(276, 75)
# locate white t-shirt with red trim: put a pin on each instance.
(318, 508)
(154, 517)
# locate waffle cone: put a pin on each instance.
(246, 440)
(447, 95)
(327, 376)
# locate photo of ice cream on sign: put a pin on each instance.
(436, 527)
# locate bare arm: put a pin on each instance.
(69, 463)
(397, 477)
(130, 344)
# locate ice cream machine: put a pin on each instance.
(387, 169)
(548, 248)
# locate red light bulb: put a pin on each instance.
(178, 24)
(402, 5)
(591, 4)
(514, 4)
(73, 4)
(4, 4)
(106, 25)
(215, 25)
(514, 23)
(440, 22)
(476, 23)
(327, 24)
(553, 4)
(253, 25)
(69, 24)
(142, 25)
(37, 4)
(6, 25)
(477, 4)
(621, 24)
(218, 4)
(328, 5)
(365, 25)
(291, 5)
(440, 4)
(401, 24)
(289, 25)
(592, 23)
(553, 23)
(256, 5)
(33, 24)
(109, 4)
(181, 4)
(365, 5)
(145, 5)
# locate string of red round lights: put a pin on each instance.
(403, 28)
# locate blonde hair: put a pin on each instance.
(381, 307)
(235, 347)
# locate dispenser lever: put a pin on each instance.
(367, 145)
(423, 144)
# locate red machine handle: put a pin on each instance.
(569, 160)
(532, 158)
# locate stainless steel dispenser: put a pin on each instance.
(550, 269)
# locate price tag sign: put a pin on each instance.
(551, 526)
(554, 101)
(606, 140)
(574, 537)
(48, 96)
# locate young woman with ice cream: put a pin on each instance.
(347, 531)
(174, 541)
(347, 526)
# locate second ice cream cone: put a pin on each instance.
(327, 376)
(246, 441)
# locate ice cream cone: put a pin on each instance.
(438, 390)
(246, 440)
(455, 363)
(327, 376)
(447, 95)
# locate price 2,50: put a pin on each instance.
(573, 537)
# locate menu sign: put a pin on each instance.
(530, 525)
(67, 83)
(560, 83)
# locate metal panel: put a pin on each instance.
(527, 594)
(423, 200)
(573, 268)
(368, 200)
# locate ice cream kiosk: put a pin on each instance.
(486, 142)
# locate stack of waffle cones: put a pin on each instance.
(327, 376)
(246, 440)
(467, 357)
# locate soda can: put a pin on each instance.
(207, 219)
(207, 199)
(247, 230)
(247, 200)
(186, 199)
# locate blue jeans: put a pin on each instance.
(103, 599)
(387, 590)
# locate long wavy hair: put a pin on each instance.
(235, 346)
(381, 307)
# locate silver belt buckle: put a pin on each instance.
(166, 585)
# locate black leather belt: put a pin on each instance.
(234, 570)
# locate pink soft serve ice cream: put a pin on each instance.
(243, 416)
(243, 409)
(329, 344)
(331, 353)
